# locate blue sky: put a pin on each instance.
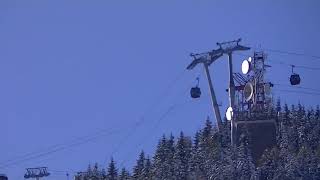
(71, 68)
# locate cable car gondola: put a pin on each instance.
(195, 92)
(3, 177)
(294, 78)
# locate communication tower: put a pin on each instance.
(252, 110)
(250, 96)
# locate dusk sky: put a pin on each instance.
(114, 72)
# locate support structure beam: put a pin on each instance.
(206, 60)
(213, 98)
(231, 82)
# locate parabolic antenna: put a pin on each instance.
(245, 67)
(248, 91)
(229, 113)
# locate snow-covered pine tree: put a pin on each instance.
(287, 161)
(209, 150)
(297, 155)
(159, 159)
(147, 171)
(269, 164)
(95, 175)
(195, 168)
(163, 159)
(89, 170)
(224, 167)
(286, 117)
(278, 106)
(170, 150)
(124, 175)
(103, 174)
(204, 148)
(182, 157)
(138, 168)
(245, 168)
(112, 173)
(317, 115)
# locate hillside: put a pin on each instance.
(208, 155)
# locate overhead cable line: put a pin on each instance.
(285, 64)
(142, 119)
(162, 117)
(291, 53)
(298, 92)
(51, 151)
(296, 66)
(298, 87)
(155, 126)
(78, 139)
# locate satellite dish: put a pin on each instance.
(248, 91)
(267, 89)
(229, 113)
(245, 67)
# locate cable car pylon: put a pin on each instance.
(228, 48)
(207, 59)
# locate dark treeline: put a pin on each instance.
(208, 155)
